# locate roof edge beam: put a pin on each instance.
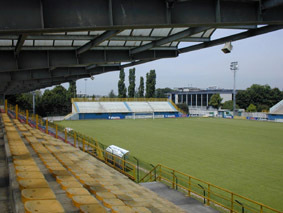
(98, 40)
(236, 37)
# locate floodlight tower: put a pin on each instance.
(234, 67)
(85, 87)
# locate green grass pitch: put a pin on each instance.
(243, 156)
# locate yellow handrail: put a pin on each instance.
(180, 110)
(171, 176)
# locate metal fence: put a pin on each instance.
(210, 194)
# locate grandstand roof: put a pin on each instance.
(277, 109)
(43, 43)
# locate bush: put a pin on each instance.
(251, 108)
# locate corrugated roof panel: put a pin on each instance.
(6, 43)
(78, 33)
(43, 43)
(104, 43)
(96, 32)
(208, 33)
(63, 43)
(177, 30)
(133, 43)
(161, 32)
(125, 33)
(28, 43)
(80, 42)
(116, 43)
(141, 32)
(198, 35)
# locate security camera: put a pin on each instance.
(227, 47)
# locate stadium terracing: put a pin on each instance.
(44, 42)
(47, 42)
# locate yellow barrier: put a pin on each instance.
(180, 110)
(210, 194)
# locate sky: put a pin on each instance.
(260, 61)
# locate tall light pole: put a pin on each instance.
(85, 86)
(33, 102)
(234, 67)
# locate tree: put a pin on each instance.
(122, 90)
(251, 108)
(215, 101)
(141, 88)
(229, 105)
(262, 96)
(161, 93)
(132, 83)
(72, 90)
(112, 94)
(150, 84)
(183, 107)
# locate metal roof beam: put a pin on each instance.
(28, 60)
(268, 4)
(174, 37)
(20, 43)
(98, 40)
(236, 37)
(135, 63)
(72, 15)
(38, 74)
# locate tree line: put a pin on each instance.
(132, 93)
(54, 102)
(257, 98)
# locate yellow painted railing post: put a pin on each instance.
(173, 183)
(232, 203)
(75, 139)
(66, 135)
(26, 116)
(208, 195)
(160, 171)
(17, 111)
(6, 106)
(46, 127)
(134, 170)
(56, 131)
(190, 186)
(36, 121)
(83, 144)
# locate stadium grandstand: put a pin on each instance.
(46, 175)
(276, 112)
(88, 108)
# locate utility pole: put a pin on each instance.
(234, 67)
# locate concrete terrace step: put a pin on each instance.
(187, 203)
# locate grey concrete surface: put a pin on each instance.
(187, 203)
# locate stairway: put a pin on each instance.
(187, 203)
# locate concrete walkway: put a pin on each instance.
(187, 203)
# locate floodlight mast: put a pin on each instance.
(234, 67)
